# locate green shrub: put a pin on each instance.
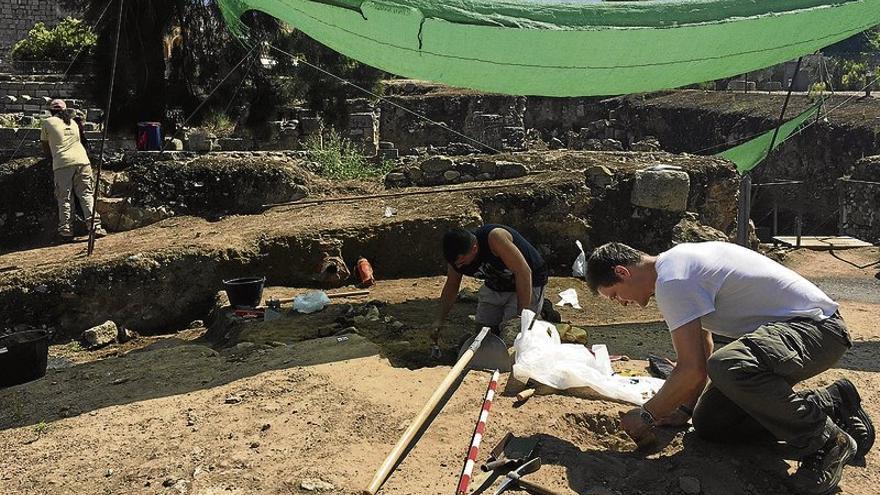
(8, 120)
(817, 88)
(339, 158)
(61, 43)
(855, 74)
(218, 123)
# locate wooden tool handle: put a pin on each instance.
(525, 394)
(286, 300)
(348, 294)
(417, 423)
(532, 487)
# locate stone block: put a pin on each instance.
(487, 166)
(509, 170)
(175, 145)
(437, 165)
(661, 188)
(599, 176)
(868, 169)
(647, 144)
(388, 154)
(451, 175)
(741, 85)
(311, 125)
(201, 140)
(101, 335)
(362, 120)
(467, 168)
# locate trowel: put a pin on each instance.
(493, 354)
(515, 479)
(511, 452)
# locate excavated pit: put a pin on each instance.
(163, 276)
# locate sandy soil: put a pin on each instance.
(172, 415)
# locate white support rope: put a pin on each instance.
(81, 48)
(217, 86)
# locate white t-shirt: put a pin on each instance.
(733, 290)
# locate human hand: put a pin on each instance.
(676, 418)
(634, 426)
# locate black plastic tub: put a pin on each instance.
(23, 357)
(244, 292)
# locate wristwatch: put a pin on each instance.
(646, 415)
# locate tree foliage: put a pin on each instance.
(70, 38)
(212, 71)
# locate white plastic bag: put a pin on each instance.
(579, 267)
(311, 301)
(541, 356)
(570, 297)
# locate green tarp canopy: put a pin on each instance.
(751, 153)
(569, 47)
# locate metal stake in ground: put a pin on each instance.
(474, 449)
(91, 245)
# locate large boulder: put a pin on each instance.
(661, 188)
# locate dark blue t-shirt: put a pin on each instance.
(491, 269)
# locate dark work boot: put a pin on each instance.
(820, 472)
(849, 414)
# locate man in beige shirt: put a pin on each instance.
(61, 138)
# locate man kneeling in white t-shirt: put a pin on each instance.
(783, 330)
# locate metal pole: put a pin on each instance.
(742, 214)
(745, 185)
(775, 216)
(797, 70)
(91, 246)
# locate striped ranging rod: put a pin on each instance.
(468, 469)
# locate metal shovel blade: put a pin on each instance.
(492, 354)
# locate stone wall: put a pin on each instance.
(860, 201)
(710, 122)
(689, 121)
(479, 121)
(439, 170)
(17, 17)
(29, 94)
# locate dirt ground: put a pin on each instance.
(275, 412)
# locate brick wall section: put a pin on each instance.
(17, 17)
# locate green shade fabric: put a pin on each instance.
(569, 47)
(751, 153)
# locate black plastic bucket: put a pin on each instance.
(23, 357)
(244, 292)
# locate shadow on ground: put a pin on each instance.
(717, 468)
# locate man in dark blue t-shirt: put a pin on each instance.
(512, 270)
